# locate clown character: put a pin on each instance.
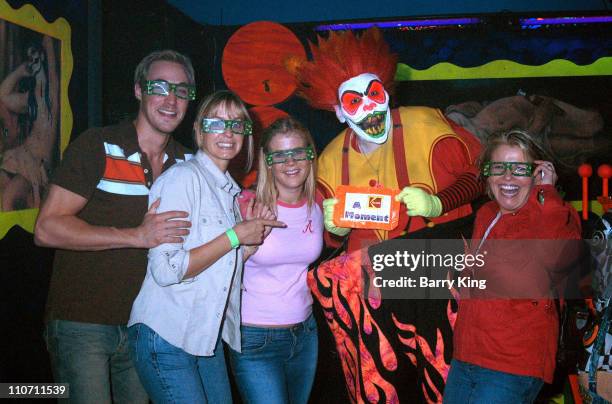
(390, 350)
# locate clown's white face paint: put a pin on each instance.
(364, 105)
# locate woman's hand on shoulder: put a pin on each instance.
(264, 212)
(257, 210)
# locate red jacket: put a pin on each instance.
(517, 336)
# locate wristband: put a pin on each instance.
(233, 238)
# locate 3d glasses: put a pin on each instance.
(517, 169)
(163, 88)
(217, 125)
(297, 154)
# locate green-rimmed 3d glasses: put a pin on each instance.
(218, 125)
(162, 87)
(297, 154)
(518, 169)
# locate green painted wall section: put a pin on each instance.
(502, 69)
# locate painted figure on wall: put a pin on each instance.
(29, 101)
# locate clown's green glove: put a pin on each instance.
(419, 202)
(328, 218)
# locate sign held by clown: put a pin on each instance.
(366, 208)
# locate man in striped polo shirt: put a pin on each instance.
(96, 215)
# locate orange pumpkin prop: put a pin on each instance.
(253, 62)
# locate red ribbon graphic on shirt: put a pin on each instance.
(308, 227)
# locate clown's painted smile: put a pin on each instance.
(374, 124)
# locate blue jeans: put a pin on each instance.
(277, 365)
(467, 384)
(171, 375)
(94, 359)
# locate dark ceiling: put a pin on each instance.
(239, 12)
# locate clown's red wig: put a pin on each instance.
(340, 57)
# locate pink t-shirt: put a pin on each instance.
(275, 290)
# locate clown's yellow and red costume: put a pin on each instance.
(423, 150)
(390, 350)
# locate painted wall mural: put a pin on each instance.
(35, 116)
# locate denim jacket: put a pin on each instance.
(188, 313)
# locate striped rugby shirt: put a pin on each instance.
(106, 166)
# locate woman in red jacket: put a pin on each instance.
(505, 338)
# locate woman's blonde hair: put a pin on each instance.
(267, 193)
(231, 102)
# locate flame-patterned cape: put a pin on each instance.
(391, 351)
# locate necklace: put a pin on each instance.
(486, 234)
(373, 165)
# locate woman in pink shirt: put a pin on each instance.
(279, 334)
